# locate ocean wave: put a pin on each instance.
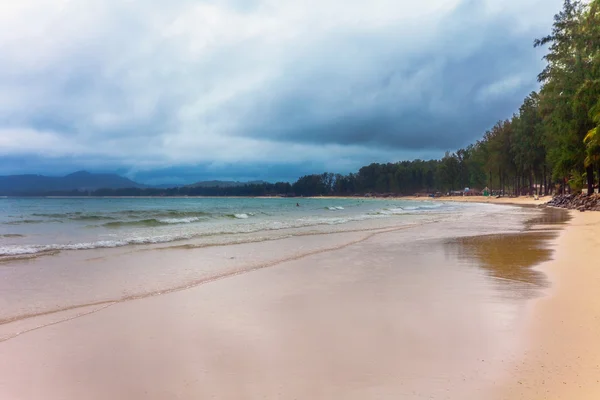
(75, 216)
(118, 215)
(143, 222)
(425, 207)
(391, 211)
(28, 221)
(407, 209)
(92, 218)
(11, 251)
(146, 237)
(169, 214)
(179, 220)
(23, 250)
(150, 222)
(11, 235)
(140, 226)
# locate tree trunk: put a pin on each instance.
(530, 182)
(598, 177)
(545, 183)
(590, 179)
(500, 181)
(560, 190)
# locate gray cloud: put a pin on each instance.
(197, 86)
(439, 100)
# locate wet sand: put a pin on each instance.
(562, 354)
(562, 357)
(426, 312)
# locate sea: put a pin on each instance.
(425, 288)
(34, 226)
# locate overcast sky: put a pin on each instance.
(183, 90)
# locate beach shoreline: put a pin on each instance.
(562, 357)
(333, 308)
(562, 360)
(515, 201)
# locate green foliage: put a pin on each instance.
(576, 181)
(571, 88)
(592, 139)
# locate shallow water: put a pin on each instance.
(30, 226)
(96, 274)
(428, 309)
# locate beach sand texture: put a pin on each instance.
(441, 311)
(562, 360)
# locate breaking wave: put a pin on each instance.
(149, 225)
(151, 222)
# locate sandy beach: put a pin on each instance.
(522, 200)
(562, 360)
(208, 200)
(444, 310)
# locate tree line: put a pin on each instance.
(551, 144)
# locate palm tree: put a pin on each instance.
(592, 143)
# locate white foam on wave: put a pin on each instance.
(392, 211)
(17, 250)
(34, 249)
(429, 206)
(179, 220)
(423, 207)
(170, 232)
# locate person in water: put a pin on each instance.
(297, 205)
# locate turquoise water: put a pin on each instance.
(35, 225)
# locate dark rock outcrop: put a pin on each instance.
(581, 202)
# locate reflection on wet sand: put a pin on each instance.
(410, 313)
(549, 218)
(510, 257)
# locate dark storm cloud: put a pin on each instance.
(257, 89)
(439, 101)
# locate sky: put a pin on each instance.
(184, 90)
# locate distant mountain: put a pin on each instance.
(82, 180)
(224, 184)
